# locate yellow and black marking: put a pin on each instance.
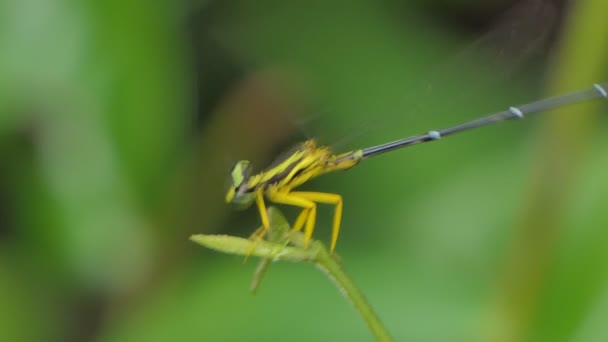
(308, 160)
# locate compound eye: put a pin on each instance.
(247, 171)
(240, 172)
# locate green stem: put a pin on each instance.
(346, 285)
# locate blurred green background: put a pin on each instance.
(120, 119)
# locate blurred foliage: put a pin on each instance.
(119, 120)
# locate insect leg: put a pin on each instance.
(262, 208)
(327, 198)
(308, 214)
(299, 223)
(263, 230)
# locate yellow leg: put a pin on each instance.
(321, 197)
(263, 230)
(260, 231)
(257, 235)
(306, 218)
(297, 226)
(308, 214)
(262, 208)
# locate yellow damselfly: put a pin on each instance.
(309, 160)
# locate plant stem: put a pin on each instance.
(332, 268)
